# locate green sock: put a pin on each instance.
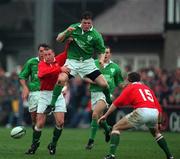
(162, 143)
(107, 95)
(36, 136)
(56, 134)
(114, 143)
(105, 125)
(56, 92)
(94, 128)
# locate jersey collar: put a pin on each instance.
(106, 64)
(82, 29)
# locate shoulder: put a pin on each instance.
(75, 25)
(96, 33)
(32, 60)
(115, 65)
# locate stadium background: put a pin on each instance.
(144, 36)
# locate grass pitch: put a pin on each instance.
(133, 145)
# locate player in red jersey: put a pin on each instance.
(48, 71)
(147, 111)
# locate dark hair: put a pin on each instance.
(46, 46)
(134, 77)
(86, 15)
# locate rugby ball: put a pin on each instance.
(18, 132)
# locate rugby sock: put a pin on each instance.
(56, 92)
(94, 128)
(107, 95)
(162, 143)
(36, 135)
(105, 125)
(114, 143)
(56, 134)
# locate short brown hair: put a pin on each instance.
(86, 15)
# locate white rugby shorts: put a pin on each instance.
(95, 97)
(81, 68)
(45, 99)
(141, 116)
(33, 100)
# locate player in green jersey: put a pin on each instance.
(30, 82)
(113, 75)
(85, 40)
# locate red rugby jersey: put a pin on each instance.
(48, 73)
(137, 95)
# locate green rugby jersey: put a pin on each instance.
(29, 73)
(113, 75)
(85, 43)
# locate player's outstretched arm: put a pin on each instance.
(61, 36)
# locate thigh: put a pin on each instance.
(122, 124)
(41, 119)
(101, 81)
(59, 117)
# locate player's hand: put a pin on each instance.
(70, 29)
(101, 63)
(70, 39)
(102, 118)
(65, 69)
(25, 93)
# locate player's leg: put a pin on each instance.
(33, 102)
(98, 109)
(99, 79)
(60, 109)
(161, 141)
(33, 118)
(40, 121)
(59, 118)
(121, 125)
(41, 118)
(62, 79)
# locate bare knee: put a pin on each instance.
(60, 122)
(40, 121)
(95, 115)
(62, 79)
(33, 117)
(116, 128)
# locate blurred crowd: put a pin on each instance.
(13, 111)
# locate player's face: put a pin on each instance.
(49, 56)
(41, 53)
(86, 24)
(107, 55)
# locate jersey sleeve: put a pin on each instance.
(61, 58)
(45, 71)
(99, 44)
(25, 72)
(124, 98)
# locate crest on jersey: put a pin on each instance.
(112, 70)
(89, 37)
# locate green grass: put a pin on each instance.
(133, 145)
